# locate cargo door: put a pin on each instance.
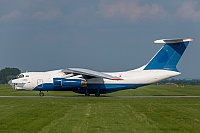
(40, 83)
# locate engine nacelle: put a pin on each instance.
(69, 83)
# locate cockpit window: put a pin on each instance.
(27, 76)
(19, 76)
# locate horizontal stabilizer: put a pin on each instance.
(162, 41)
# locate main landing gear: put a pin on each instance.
(41, 94)
(87, 94)
(97, 94)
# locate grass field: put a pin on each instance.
(104, 114)
(153, 90)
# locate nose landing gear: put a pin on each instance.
(41, 94)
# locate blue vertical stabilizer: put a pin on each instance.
(169, 55)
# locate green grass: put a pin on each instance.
(103, 114)
(161, 90)
(152, 90)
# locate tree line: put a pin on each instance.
(181, 81)
(7, 74)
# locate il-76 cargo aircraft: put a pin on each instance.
(85, 81)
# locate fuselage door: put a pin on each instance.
(40, 83)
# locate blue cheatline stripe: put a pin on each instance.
(105, 88)
(168, 57)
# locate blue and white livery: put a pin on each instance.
(85, 81)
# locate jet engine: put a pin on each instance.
(69, 83)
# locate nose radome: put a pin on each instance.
(10, 82)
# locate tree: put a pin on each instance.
(7, 74)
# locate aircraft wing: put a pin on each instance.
(91, 73)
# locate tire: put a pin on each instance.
(87, 94)
(41, 94)
(97, 94)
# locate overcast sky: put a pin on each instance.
(102, 35)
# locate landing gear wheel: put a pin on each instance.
(87, 94)
(41, 94)
(97, 94)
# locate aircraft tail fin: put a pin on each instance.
(169, 55)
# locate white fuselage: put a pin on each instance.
(31, 80)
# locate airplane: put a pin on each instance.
(85, 81)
